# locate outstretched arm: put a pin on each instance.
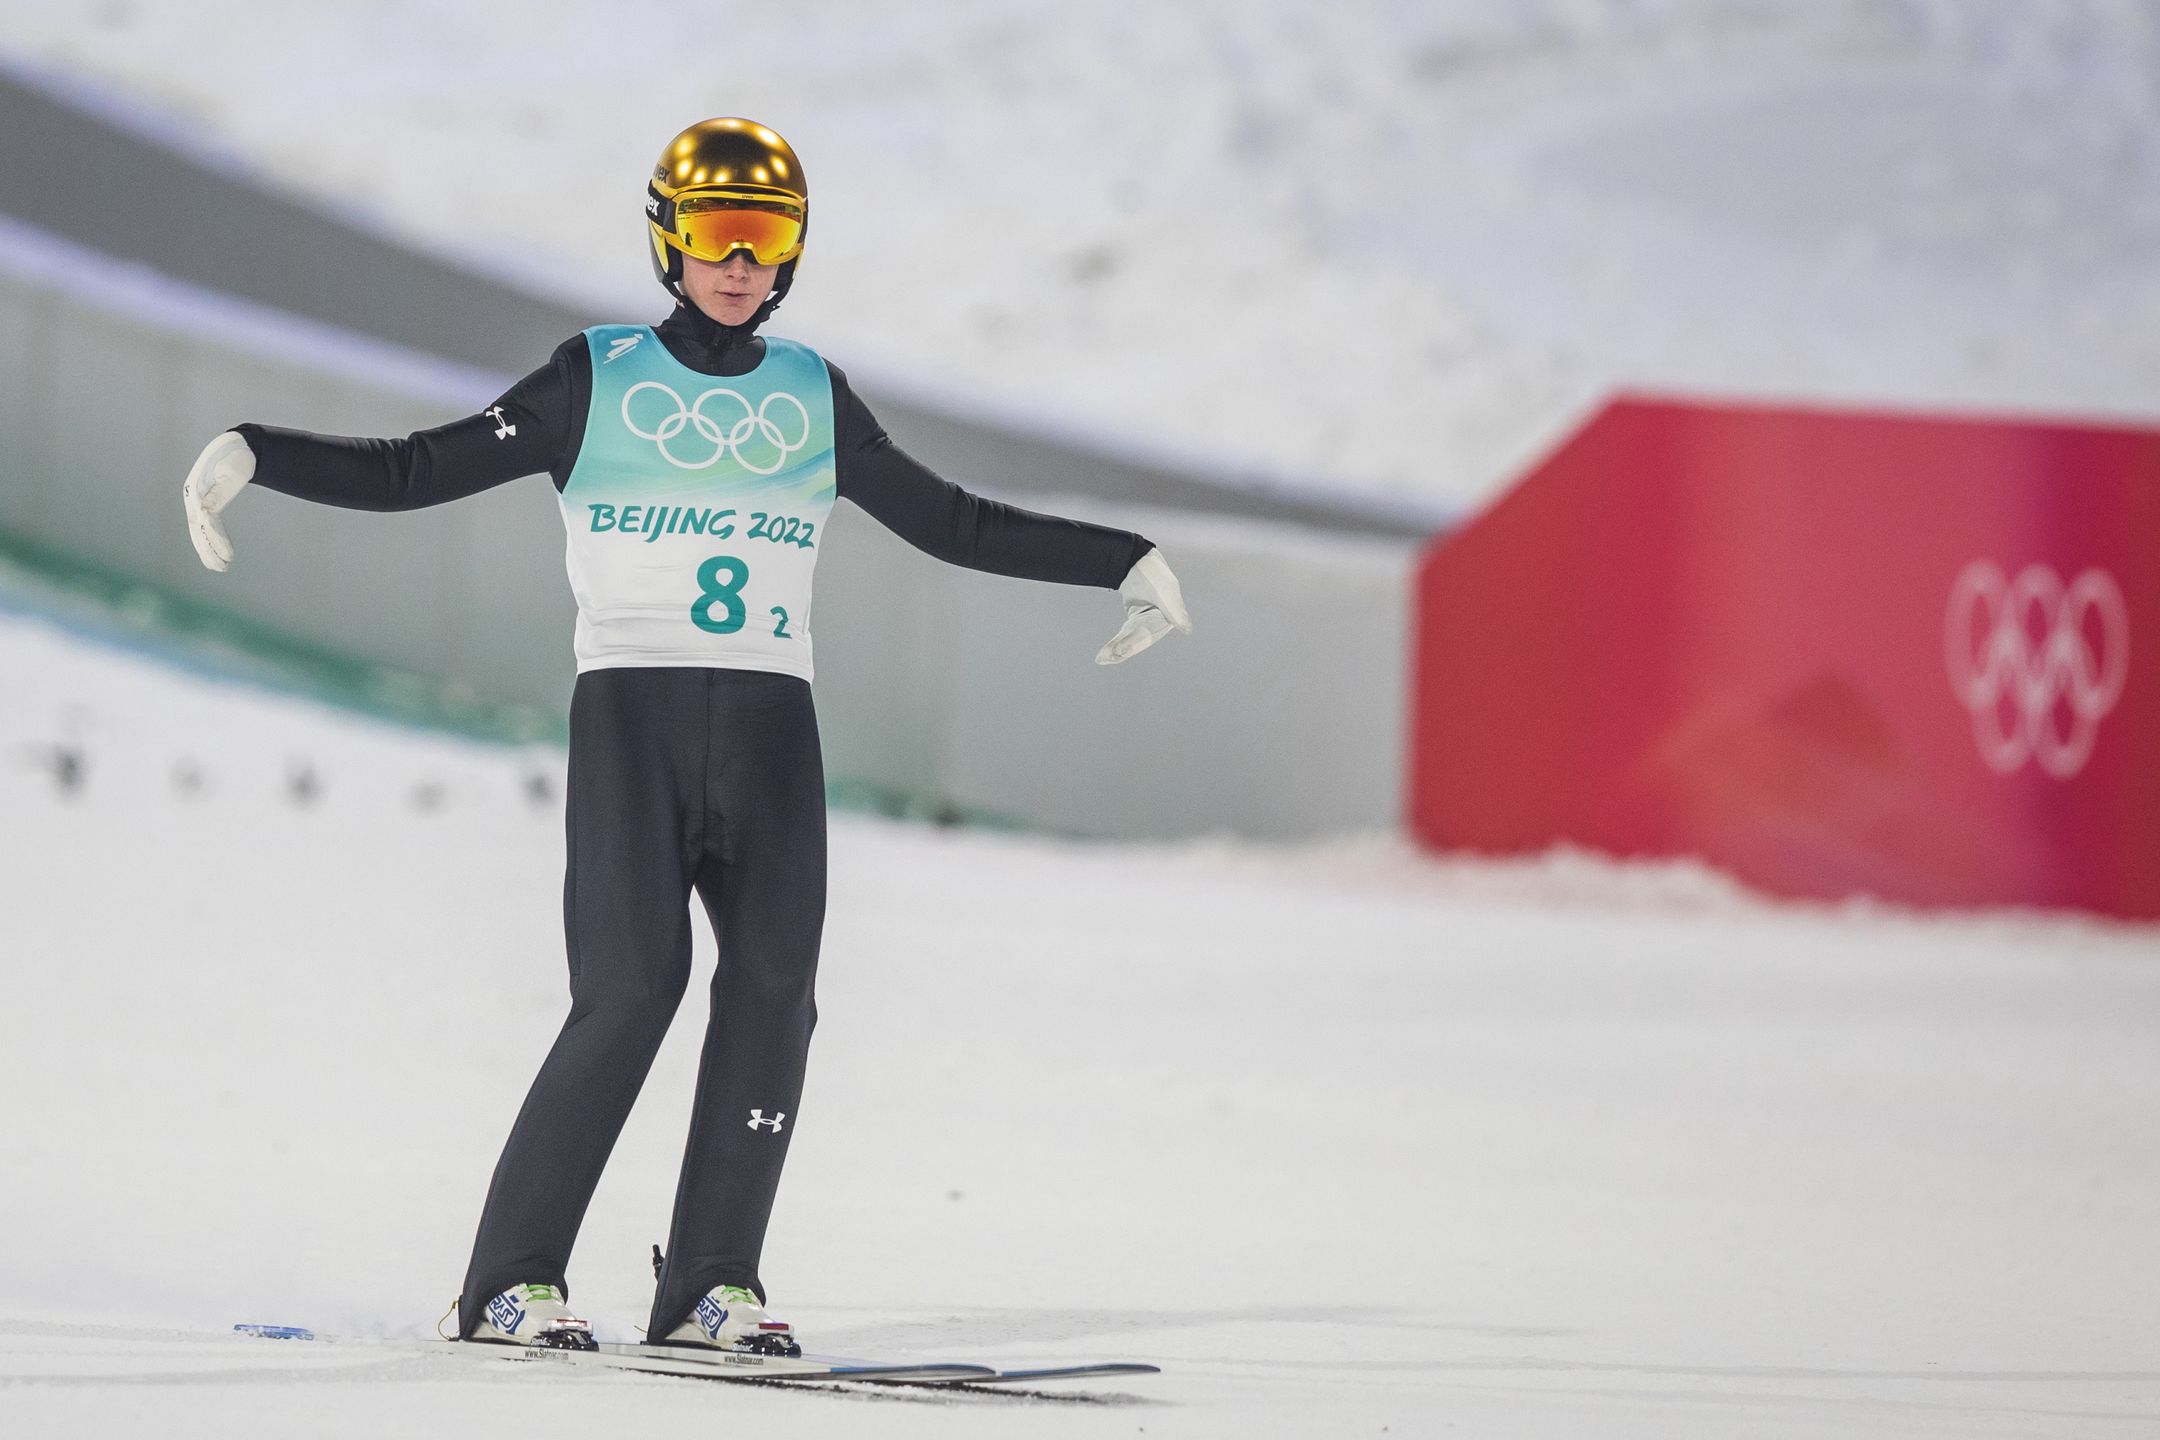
(962, 528)
(525, 432)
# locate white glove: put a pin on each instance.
(1153, 607)
(224, 466)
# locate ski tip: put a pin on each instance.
(277, 1332)
(1035, 1374)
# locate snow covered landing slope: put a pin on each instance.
(1343, 1137)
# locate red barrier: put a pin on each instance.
(1832, 653)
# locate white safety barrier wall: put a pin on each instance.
(112, 378)
(1282, 716)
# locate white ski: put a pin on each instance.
(698, 1363)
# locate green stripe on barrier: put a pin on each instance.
(214, 640)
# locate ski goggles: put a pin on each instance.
(714, 225)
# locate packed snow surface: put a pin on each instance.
(1398, 248)
(1349, 1140)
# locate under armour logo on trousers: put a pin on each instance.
(757, 1118)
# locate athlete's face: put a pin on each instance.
(729, 290)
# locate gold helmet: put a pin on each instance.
(726, 185)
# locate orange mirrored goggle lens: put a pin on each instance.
(713, 227)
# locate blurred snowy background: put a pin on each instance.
(1393, 246)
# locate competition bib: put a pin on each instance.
(697, 506)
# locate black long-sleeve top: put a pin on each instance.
(548, 409)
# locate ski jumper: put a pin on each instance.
(696, 467)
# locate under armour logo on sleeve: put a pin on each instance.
(757, 1118)
(503, 428)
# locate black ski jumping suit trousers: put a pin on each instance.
(682, 779)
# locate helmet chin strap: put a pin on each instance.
(782, 283)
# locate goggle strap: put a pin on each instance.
(659, 208)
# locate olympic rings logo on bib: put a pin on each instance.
(736, 434)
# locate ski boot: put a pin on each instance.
(534, 1315)
(730, 1317)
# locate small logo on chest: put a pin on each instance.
(621, 348)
